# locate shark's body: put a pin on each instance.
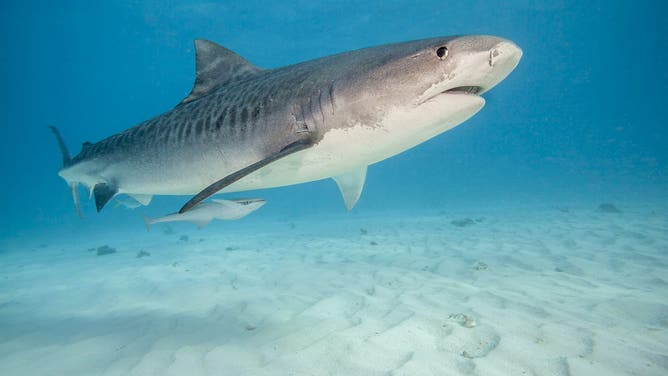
(245, 128)
(204, 212)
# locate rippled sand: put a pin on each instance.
(537, 291)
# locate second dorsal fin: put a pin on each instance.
(215, 66)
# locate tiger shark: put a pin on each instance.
(243, 127)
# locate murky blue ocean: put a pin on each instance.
(524, 191)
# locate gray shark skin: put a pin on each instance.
(245, 128)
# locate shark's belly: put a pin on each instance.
(346, 149)
(178, 173)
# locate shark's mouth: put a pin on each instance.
(474, 90)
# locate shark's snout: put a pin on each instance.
(481, 70)
(502, 59)
(504, 52)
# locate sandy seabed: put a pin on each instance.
(536, 291)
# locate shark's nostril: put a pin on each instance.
(504, 53)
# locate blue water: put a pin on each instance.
(580, 118)
(581, 121)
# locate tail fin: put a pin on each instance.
(63, 149)
(67, 160)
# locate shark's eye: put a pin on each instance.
(442, 52)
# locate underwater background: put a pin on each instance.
(579, 119)
(580, 122)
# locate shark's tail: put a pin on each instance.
(67, 160)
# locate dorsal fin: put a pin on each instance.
(215, 66)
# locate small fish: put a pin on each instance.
(204, 212)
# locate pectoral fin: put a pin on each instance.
(229, 179)
(351, 184)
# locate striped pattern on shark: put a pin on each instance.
(243, 127)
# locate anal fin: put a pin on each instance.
(103, 192)
(351, 184)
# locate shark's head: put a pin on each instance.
(412, 73)
(409, 92)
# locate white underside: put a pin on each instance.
(343, 150)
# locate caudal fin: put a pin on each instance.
(63, 148)
(67, 160)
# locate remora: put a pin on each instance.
(243, 127)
